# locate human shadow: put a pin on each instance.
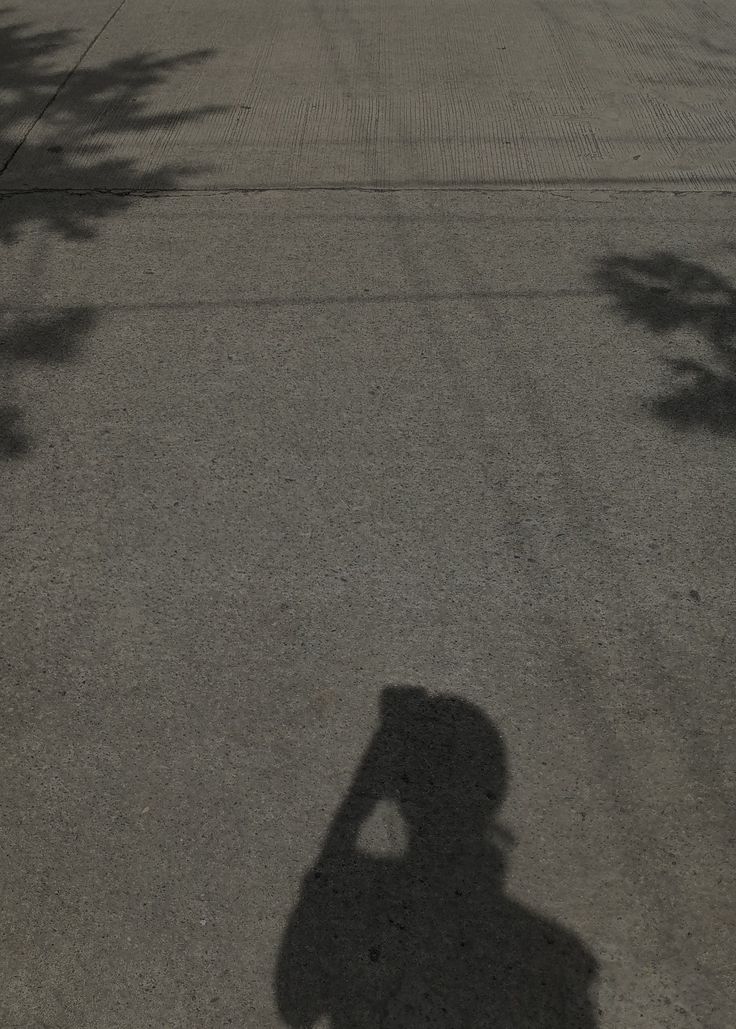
(665, 292)
(427, 937)
(59, 124)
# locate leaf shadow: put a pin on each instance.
(69, 127)
(666, 292)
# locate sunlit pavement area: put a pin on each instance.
(368, 426)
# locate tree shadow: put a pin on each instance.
(665, 292)
(62, 125)
(427, 937)
(42, 340)
(81, 113)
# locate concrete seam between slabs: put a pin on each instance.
(564, 192)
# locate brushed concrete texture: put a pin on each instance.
(385, 93)
(278, 451)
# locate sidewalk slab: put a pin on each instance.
(276, 451)
(382, 94)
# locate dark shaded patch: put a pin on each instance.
(446, 946)
(666, 292)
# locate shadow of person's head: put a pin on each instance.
(449, 769)
(428, 936)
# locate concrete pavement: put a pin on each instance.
(384, 94)
(269, 452)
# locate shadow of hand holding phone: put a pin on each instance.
(427, 937)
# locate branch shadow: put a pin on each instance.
(665, 292)
(63, 126)
(43, 340)
(427, 937)
(81, 117)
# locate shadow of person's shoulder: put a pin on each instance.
(548, 940)
(558, 967)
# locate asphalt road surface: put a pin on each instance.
(368, 428)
